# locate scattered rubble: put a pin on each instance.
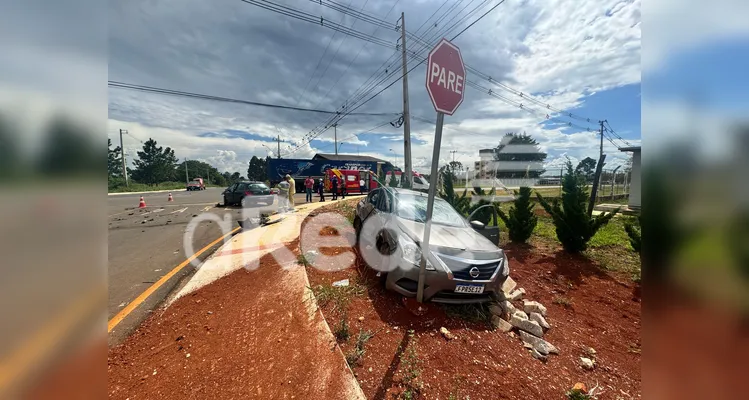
(500, 324)
(509, 309)
(344, 282)
(587, 363)
(590, 351)
(520, 314)
(509, 285)
(540, 320)
(516, 295)
(538, 355)
(447, 334)
(534, 307)
(526, 325)
(539, 344)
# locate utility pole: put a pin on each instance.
(406, 112)
(453, 151)
(187, 179)
(278, 140)
(122, 153)
(600, 154)
(335, 137)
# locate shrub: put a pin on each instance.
(574, 227)
(521, 220)
(634, 232)
(459, 203)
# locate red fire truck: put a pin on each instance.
(351, 179)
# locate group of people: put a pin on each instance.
(309, 185)
(287, 190)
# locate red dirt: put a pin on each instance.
(248, 336)
(603, 312)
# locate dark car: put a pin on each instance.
(462, 265)
(248, 194)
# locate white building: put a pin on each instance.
(634, 185)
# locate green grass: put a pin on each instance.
(339, 296)
(140, 187)
(354, 356)
(341, 331)
(469, 312)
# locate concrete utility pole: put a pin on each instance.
(406, 112)
(600, 154)
(335, 137)
(187, 179)
(278, 140)
(122, 153)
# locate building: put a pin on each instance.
(484, 166)
(315, 167)
(634, 186)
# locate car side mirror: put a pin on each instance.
(477, 225)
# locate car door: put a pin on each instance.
(230, 193)
(367, 210)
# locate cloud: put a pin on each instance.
(560, 52)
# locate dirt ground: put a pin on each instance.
(247, 335)
(587, 307)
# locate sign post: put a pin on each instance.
(445, 82)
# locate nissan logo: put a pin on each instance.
(474, 272)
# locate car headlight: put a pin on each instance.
(411, 252)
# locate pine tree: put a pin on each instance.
(521, 220)
(155, 164)
(393, 180)
(460, 203)
(574, 227)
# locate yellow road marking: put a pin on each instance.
(143, 296)
(42, 342)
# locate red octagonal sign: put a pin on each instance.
(446, 77)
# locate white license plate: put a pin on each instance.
(473, 289)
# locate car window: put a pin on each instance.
(374, 197)
(351, 178)
(243, 186)
(233, 187)
(258, 186)
(414, 208)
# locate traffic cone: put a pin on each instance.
(142, 203)
(170, 197)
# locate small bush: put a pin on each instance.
(341, 332)
(522, 221)
(635, 233)
(411, 368)
(574, 227)
(353, 357)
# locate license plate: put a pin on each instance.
(473, 289)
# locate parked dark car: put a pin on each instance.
(463, 266)
(248, 194)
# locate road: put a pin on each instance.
(146, 244)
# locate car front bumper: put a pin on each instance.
(439, 285)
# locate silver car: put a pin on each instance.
(463, 266)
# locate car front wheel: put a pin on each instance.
(226, 201)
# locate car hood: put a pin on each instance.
(448, 239)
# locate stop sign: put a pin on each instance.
(446, 77)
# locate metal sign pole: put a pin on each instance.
(430, 207)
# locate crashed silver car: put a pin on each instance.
(463, 266)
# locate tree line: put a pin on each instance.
(158, 165)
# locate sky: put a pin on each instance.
(582, 57)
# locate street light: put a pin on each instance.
(394, 156)
(269, 150)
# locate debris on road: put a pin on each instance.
(508, 286)
(587, 363)
(539, 344)
(527, 325)
(540, 320)
(516, 295)
(534, 307)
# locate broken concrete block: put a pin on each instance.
(509, 285)
(516, 295)
(538, 344)
(534, 306)
(501, 324)
(540, 319)
(496, 310)
(527, 325)
(508, 307)
(538, 355)
(520, 314)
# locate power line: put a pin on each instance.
(151, 89)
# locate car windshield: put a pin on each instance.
(414, 208)
(260, 186)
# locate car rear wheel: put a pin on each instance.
(226, 201)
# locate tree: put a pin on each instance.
(235, 177)
(199, 169)
(460, 203)
(527, 161)
(155, 164)
(521, 220)
(587, 169)
(114, 160)
(574, 227)
(452, 167)
(258, 169)
(393, 180)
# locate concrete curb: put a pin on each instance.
(153, 191)
(310, 296)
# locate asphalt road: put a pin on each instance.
(145, 244)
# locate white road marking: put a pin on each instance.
(207, 208)
(178, 211)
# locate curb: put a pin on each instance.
(152, 191)
(309, 295)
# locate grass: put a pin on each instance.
(469, 312)
(339, 296)
(411, 369)
(341, 331)
(302, 260)
(562, 301)
(354, 356)
(577, 394)
(140, 187)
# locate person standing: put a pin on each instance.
(308, 184)
(334, 186)
(361, 186)
(321, 190)
(292, 190)
(283, 196)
